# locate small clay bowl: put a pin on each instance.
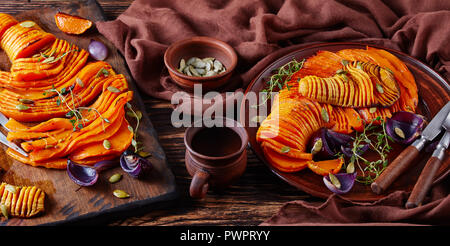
(200, 47)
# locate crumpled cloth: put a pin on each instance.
(263, 30)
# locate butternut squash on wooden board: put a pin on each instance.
(51, 79)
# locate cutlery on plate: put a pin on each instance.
(405, 159)
(429, 171)
(3, 121)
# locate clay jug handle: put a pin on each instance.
(199, 184)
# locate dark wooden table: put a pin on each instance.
(253, 199)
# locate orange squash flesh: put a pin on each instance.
(72, 24)
(296, 115)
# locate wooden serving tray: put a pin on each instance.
(66, 201)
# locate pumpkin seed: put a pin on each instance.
(11, 188)
(27, 24)
(325, 116)
(115, 178)
(26, 101)
(350, 168)
(5, 210)
(380, 88)
(334, 180)
(372, 110)
(79, 82)
(121, 194)
(144, 154)
(106, 144)
(210, 73)
(113, 89)
(317, 147)
(22, 107)
(139, 114)
(285, 149)
(399, 132)
(182, 65)
(49, 60)
(344, 63)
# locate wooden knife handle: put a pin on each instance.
(424, 182)
(395, 169)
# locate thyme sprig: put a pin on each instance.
(279, 79)
(137, 115)
(378, 142)
(79, 121)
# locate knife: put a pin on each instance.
(3, 121)
(405, 159)
(12, 145)
(429, 171)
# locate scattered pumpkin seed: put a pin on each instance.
(399, 132)
(317, 147)
(380, 88)
(5, 210)
(27, 24)
(144, 154)
(22, 107)
(49, 59)
(113, 89)
(115, 178)
(334, 180)
(106, 144)
(121, 194)
(372, 110)
(79, 82)
(350, 167)
(285, 149)
(26, 101)
(325, 116)
(344, 63)
(11, 188)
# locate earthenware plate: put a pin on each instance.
(433, 94)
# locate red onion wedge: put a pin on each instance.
(346, 181)
(86, 175)
(134, 165)
(325, 143)
(404, 127)
(81, 175)
(98, 50)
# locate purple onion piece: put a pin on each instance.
(98, 50)
(347, 181)
(332, 143)
(134, 165)
(105, 165)
(81, 175)
(407, 123)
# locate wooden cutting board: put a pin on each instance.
(66, 201)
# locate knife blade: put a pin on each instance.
(3, 121)
(408, 155)
(12, 145)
